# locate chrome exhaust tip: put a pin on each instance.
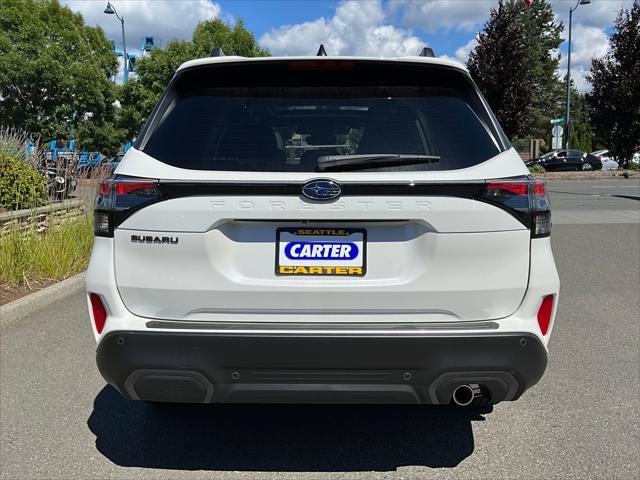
(467, 394)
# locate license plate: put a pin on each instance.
(321, 252)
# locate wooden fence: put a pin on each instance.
(41, 218)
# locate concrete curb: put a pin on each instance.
(29, 304)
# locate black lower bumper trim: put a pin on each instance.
(225, 368)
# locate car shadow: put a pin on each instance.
(627, 197)
(280, 437)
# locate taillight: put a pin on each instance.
(526, 199)
(544, 314)
(541, 210)
(516, 188)
(99, 312)
(118, 198)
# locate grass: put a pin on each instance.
(53, 255)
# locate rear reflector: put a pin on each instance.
(99, 312)
(544, 314)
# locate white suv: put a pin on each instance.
(322, 230)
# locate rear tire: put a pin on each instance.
(586, 167)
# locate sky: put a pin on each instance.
(350, 27)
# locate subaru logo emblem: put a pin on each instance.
(321, 190)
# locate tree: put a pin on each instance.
(542, 37)
(499, 66)
(515, 63)
(614, 100)
(234, 41)
(54, 71)
(581, 136)
(154, 72)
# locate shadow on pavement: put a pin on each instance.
(280, 437)
(627, 197)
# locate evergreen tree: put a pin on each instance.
(499, 67)
(542, 37)
(615, 96)
(581, 137)
(518, 46)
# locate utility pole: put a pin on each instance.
(111, 10)
(567, 138)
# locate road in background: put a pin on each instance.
(59, 420)
(595, 201)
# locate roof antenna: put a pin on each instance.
(427, 52)
(217, 52)
(321, 51)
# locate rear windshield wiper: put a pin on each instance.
(362, 161)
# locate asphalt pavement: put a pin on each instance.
(58, 419)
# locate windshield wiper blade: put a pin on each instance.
(360, 161)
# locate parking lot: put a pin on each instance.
(59, 420)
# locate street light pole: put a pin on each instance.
(567, 138)
(111, 10)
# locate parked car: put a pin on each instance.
(608, 162)
(570, 160)
(322, 230)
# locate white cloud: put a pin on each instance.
(589, 26)
(470, 15)
(462, 53)
(163, 19)
(438, 15)
(586, 43)
(588, 38)
(599, 13)
(357, 28)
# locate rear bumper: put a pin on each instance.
(200, 367)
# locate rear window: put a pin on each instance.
(279, 117)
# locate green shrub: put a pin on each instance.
(536, 169)
(633, 166)
(20, 185)
(54, 254)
